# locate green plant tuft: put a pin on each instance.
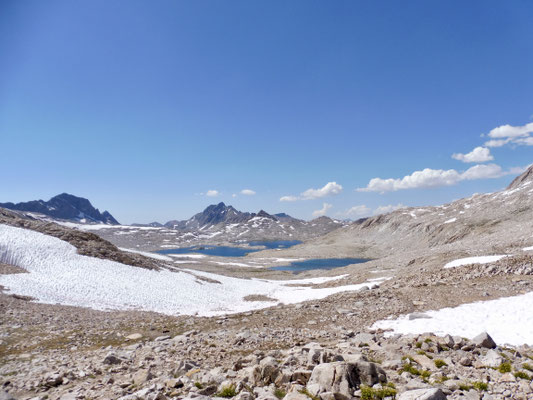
(368, 393)
(522, 375)
(227, 392)
(280, 393)
(480, 386)
(306, 392)
(440, 363)
(505, 367)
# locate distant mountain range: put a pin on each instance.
(65, 206)
(222, 214)
(217, 223)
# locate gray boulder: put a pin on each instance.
(342, 378)
(484, 340)
(492, 359)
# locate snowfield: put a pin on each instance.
(57, 274)
(508, 320)
(473, 260)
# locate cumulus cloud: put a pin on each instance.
(508, 131)
(329, 189)
(358, 211)
(212, 193)
(482, 172)
(322, 211)
(289, 198)
(248, 192)
(479, 154)
(429, 178)
(497, 142)
(508, 134)
(387, 209)
(527, 141)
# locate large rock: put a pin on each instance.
(342, 378)
(423, 394)
(492, 359)
(484, 340)
(266, 372)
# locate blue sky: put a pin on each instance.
(146, 107)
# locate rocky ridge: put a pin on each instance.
(65, 207)
(218, 224)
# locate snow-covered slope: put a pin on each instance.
(509, 320)
(57, 274)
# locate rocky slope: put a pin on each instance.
(66, 207)
(481, 224)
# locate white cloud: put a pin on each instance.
(358, 211)
(479, 154)
(418, 179)
(212, 193)
(482, 172)
(496, 142)
(322, 211)
(233, 195)
(364, 211)
(289, 198)
(508, 131)
(428, 178)
(248, 192)
(527, 141)
(329, 189)
(387, 209)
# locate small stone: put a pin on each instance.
(134, 336)
(142, 376)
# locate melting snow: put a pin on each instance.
(148, 254)
(450, 221)
(473, 260)
(57, 274)
(507, 320)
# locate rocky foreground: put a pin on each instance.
(257, 363)
(314, 350)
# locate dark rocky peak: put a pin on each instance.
(264, 214)
(65, 206)
(526, 176)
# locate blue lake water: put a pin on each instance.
(228, 251)
(319, 263)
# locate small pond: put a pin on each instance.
(229, 251)
(319, 263)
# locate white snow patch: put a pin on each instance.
(507, 320)
(474, 260)
(58, 274)
(236, 264)
(188, 255)
(528, 248)
(147, 254)
(450, 221)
